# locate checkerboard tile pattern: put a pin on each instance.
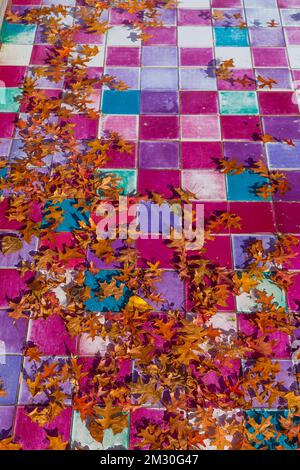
(178, 115)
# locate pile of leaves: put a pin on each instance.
(193, 374)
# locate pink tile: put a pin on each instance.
(126, 126)
(201, 127)
(293, 36)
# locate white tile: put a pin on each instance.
(294, 56)
(194, 4)
(10, 54)
(195, 36)
(205, 184)
(240, 55)
(122, 36)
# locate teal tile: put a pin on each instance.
(17, 33)
(232, 37)
(121, 102)
(238, 102)
(8, 100)
(81, 435)
(128, 180)
(243, 187)
(71, 213)
(110, 303)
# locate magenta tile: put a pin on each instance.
(287, 217)
(51, 337)
(84, 127)
(123, 56)
(158, 127)
(241, 127)
(198, 102)
(194, 56)
(34, 437)
(243, 79)
(153, 251)
(12, 76)
(12, 285)
(269, 57)
(256, 217)
(249, 330)
(200, 154)
(7, 125)
(194, 17)
(163, 36)
(277, 102)
(158, 181)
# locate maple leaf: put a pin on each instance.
(33, 353)
(10, 244)
(56, 443)
(269, 82)
(244, 282)
(8, 444)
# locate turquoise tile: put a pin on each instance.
(17, 33)
(238, 102)
(128, 180)
(71, 216)
(232, 37)
(121, 102)
(8, 100)
(264, 442)
(243, 187)
(82, 435)
(108, 304)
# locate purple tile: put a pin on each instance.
(293, 194)
(283, 156)
(15, 258)
(266, 37)
(10, 367)
(159, 78)
(12, 333)
(129, 75)
(244, 152)
(158, 55)
(240, 243)
(159, 102)
(7, 414)
(281, 75)
(159, 155)
(282, 127)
